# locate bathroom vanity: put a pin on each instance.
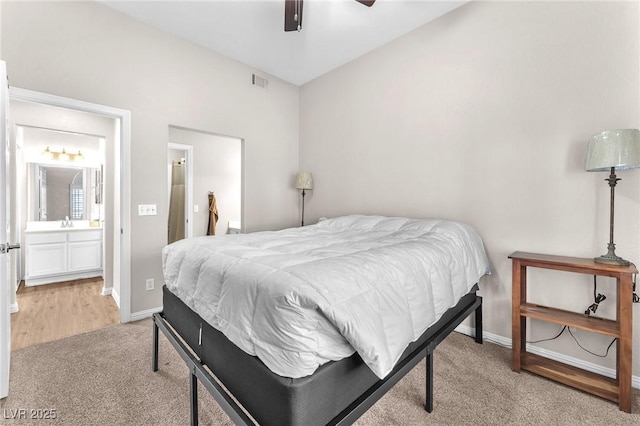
(55, 254)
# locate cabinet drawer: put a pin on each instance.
(85, 236)
(46, 238)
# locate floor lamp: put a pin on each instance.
(613, 150)
(304, 181)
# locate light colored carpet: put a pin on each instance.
(104, 377)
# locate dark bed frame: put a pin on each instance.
(207, 352)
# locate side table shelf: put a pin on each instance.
(616, 390)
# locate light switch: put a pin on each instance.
(147, 210)
(196, 208)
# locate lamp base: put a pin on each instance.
(612, 261)
(611, 258)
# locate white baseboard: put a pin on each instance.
(589, 366)
(136, 316)
(107, 291)
(116, 296)
(29, 282)
(13, 308)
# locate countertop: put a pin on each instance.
(56, 226)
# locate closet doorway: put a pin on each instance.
(180, 183)
(211, 167)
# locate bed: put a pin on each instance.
(312, 325)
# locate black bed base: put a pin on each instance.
(351, 413)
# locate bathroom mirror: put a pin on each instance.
(60, 191)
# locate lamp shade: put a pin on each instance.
(304, 180)
(613, 148)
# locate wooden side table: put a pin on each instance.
(617, 390)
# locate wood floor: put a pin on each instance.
(53, 311)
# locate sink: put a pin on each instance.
(56, 225)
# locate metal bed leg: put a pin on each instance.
(194, 399)
(198, 373)
(155, 346)
(479, 322)
(429, 367)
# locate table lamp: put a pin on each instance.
(304, 181)
(613, 150)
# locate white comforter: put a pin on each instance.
(299, 297)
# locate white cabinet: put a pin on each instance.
(62, 255)
(84, 256)
(46, 259)
(84, 249)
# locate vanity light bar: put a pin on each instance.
(63, 155)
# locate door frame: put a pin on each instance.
(124, 118)
(5, 287)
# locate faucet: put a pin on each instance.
(66, 223)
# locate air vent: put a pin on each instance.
(258, 81)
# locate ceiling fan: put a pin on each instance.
(293, 13)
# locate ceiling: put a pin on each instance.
(334, 32)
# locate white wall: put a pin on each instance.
(1, 29)
(483, 116)
(85, 51)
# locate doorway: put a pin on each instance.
(116, 187)
(214, 172)
(120, 231)
(58, 175)
(180, 184)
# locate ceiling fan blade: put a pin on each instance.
(367, 3)
(292, 15)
